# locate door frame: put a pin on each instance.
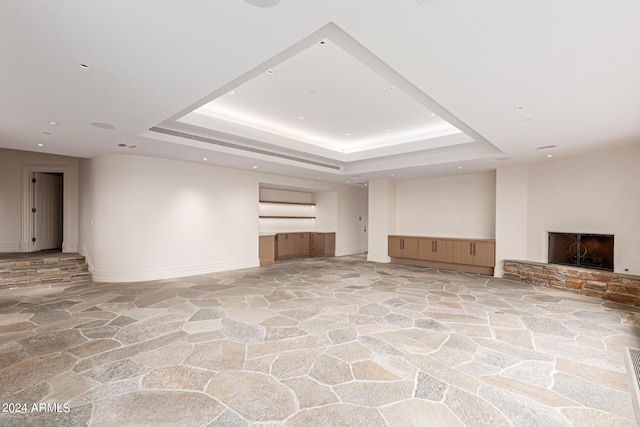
(27, 197)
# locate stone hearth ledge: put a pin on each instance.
(607, 285)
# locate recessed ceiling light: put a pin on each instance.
(365, 184)
(83, 65)
(392, 88)
(392, 174)
(40, 145)
(520, 108)
(348, 182)
(549, 155)
(53, 123)
(231, 92)
(263, 3)
(269, 72)
(317, 177)
(528, 119)
(46, 133)
(204, 158)
(546, 147)
(301, 117)
(431, 114)
(388, 129)
(348, 133)
(459, 167)
(101, 125)
(255, 167)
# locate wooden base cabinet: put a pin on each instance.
(287, 245)
(322, 244)
(474, 253)
(266, 250)
(435, 250)
(403, 247)
(471, 255)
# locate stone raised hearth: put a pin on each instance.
(623, 288)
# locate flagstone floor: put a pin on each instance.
(308, 342)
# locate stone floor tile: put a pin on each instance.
(594, 395)
(429, 388)
(228, 419)
(282, 333)
(443, 372)
(419, 413)
(540, 394)
(374, 393)
(472, 410)
(105, 391)
(331, 371)
(340, 336)
(310, 393)
(533, 372)
(242, 332)
(154, 407)
(593, 417)
(29, 372)
(256, 397)
(177, 378)
(93, 347)
(52, 342)
(522, 411)
(68, 386)
(338, 415)
(604, 377)
(294, 363)
(217, 355)
(371, 371)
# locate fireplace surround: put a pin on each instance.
(582, 250)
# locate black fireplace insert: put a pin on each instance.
(582, 250)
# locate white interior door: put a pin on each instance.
(48, 211)
(365, 225)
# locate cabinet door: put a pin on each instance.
(444, 250)
(403, 247)
(463, 253)
(266, 249)
(316, 243)
(427, 249)
(484, 254)
(329, 244)
(303, 244)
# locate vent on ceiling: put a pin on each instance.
(240, 147)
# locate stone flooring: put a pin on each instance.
(307, 342)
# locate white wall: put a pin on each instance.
(145, 218)
(454, 206)
(382, 212)
(13, 164)
(153, 218)
(511, 215)
(591, 194)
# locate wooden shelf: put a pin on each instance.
(278, 216)
(287, 203)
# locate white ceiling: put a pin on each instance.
(160, 73)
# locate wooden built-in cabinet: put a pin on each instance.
(471, 255)
(403, 247)
(287, 245)
(322, 244)
(267, 250)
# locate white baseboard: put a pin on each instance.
(9, 246)
(169, 272)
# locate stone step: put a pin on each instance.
(32, 270)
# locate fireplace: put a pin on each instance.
(582, 250)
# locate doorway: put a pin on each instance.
(47, 211)
(44, 204)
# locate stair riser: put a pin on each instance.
(7, 284)
(50, 270)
